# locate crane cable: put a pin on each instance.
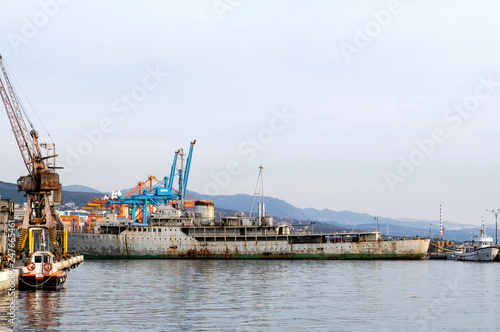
(11, 74)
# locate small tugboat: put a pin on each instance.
(481, 251)
(42, 273)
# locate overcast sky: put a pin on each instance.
(384, 107)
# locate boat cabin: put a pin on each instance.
(42, 263)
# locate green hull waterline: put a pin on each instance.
(268, 256)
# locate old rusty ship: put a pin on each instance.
(171, 231)
(174, 233)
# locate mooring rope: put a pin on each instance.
(38, 285)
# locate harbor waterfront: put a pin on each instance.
(9, 278)
(264, 295)
(131, 133)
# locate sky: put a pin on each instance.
(383, 107)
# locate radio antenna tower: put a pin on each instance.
(441, 233)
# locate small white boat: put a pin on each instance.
(482, 250)
(42, 272)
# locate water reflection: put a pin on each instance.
(36, 309)
(220, 295)
(8, 308)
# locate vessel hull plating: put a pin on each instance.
(54, 281)
(487, 254)
(171, 243)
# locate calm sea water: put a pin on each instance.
(219, 295)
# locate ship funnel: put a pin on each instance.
(204, 212)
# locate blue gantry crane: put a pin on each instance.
(161, 192)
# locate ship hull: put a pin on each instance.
(171, 243)
(487, 254)
(54, 281)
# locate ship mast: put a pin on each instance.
(259, 191)
(441, 232)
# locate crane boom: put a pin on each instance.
(23, 136)
(188, 166)
(42, 186)
(170, 182)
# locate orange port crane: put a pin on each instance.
(42, 182)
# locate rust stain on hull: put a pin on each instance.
(119, 246)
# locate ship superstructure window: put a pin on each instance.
(38, 259)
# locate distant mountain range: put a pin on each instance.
(81, 189)
(80, 195)
(9, 191)
(347, 219)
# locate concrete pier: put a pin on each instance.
(9, 278)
